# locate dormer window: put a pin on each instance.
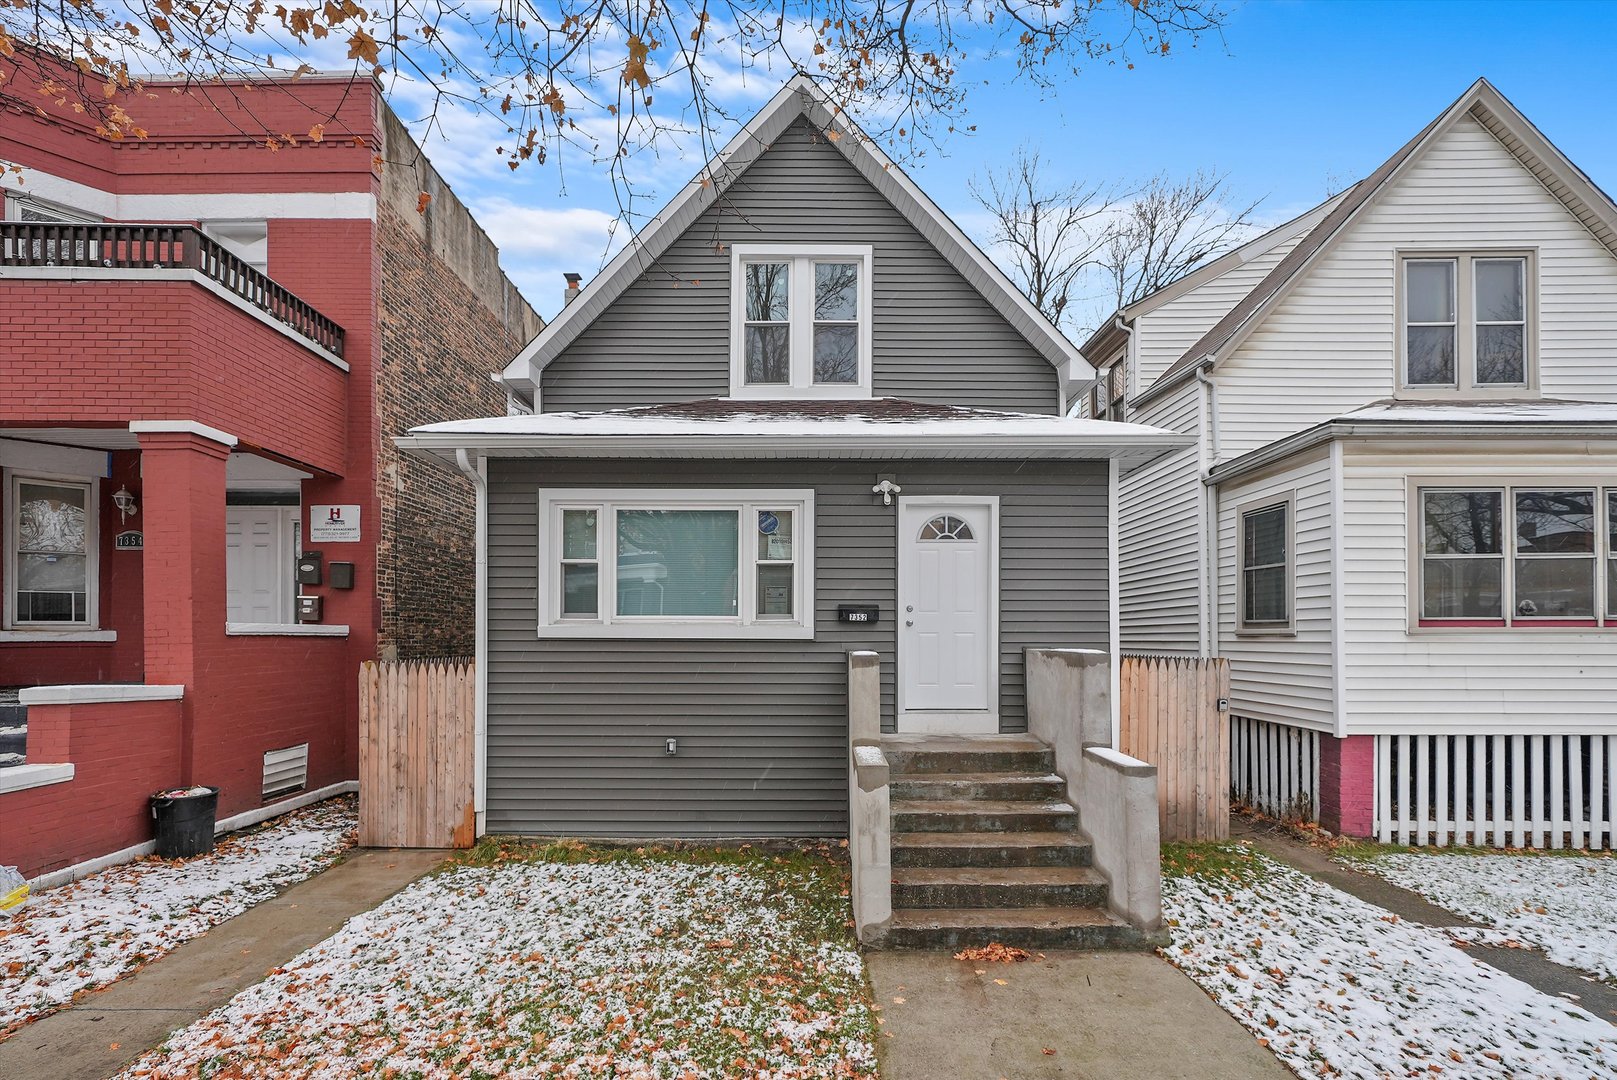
(1467, 323)
(800, 321)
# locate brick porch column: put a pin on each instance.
(182, 467)
(1347, 770)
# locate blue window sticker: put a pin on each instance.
(767, 522)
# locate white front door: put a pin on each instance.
(947, 603)
(258, 563)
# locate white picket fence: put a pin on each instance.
(1274, 768)
(1497, 790)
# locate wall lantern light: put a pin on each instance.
(125, 502)
(886, 489)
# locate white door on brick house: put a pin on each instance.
(259, 557)
(948, 603)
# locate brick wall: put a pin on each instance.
(1347, 772)
(439, 342)
(121, 753)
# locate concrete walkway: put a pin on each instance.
(1110, 1016)
(107, 1030)
(1529, 965)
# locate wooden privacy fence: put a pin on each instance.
(416, 755)
(1171, 718)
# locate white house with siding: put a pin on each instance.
(1399, 517)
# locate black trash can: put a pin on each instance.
(185, 821)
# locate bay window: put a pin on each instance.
(1465, 322)
(800, 321)
(1518, 555)
(676, 563)
(51, 534)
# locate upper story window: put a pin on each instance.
(800, 321)
(1108, 396)
(1467, 323)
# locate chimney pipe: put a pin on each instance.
(572, 289)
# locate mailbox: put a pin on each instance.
(308, 609)
(858, 614)
(309, 568)
(342, 575)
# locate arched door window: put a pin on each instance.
(946, 527)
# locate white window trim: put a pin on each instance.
(1465, 324)
(92, 552)
(802, 383)
(1419, 624)
(1288, 500)
(745, 625)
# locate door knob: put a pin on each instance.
(909, 622)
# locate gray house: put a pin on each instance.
(802, 416)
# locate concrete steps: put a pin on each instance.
(1024, 928)
(986, 848)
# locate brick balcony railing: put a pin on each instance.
(163, 247)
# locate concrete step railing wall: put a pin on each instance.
(1069, 706)
(870, 815)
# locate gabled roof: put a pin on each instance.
(1109, 336)
(798, 98)
(724, 428)
(1483, 103)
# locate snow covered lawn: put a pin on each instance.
(1564, 905)
(99, 929)
(565, 961)
(1338, 987)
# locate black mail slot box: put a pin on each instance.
(865, 614)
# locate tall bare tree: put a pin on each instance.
(1168, 228)
(607, 79)
(1051, 231)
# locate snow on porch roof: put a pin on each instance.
(726, 428)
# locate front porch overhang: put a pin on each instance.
(875, 429)
(1426, 422)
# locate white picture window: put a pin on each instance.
(800, 323)
(1525, 555)
(1265, 568)
(676, 563)
(1465, 322)
(52, 540)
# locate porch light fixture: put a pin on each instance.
(886, 489)
(125, 502)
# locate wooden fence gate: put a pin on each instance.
(416, 755)
(1171, 718)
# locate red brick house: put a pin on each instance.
(206, 345)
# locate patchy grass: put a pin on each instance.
(1337, 987)
(559, 959)
(1566, 907)
(80, 937)
(1232, 863)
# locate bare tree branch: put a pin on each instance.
(1169, 228)
(609, 81)
(1052, 232)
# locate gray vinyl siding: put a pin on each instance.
(667, 337)
(576, 727)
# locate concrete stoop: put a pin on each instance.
(986, 848)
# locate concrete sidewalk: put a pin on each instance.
(109, 1029)
(1110, 1016)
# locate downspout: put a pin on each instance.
(478, 476)
(1208, 631)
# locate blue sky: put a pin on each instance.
(1302, 94)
